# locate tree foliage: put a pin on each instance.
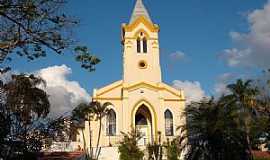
(83, 112)
(23, 117)
(212, 132)
(154, 151)
(229, 127)
(32, 28)
(128, 148)
(173, 152)
(89, 112)
(100, 111)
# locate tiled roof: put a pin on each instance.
(260, 154)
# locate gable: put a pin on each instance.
(113, 91)
(167, 91)
(172, 93)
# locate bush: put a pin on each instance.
(173, 153)
(128, 148)
(155, 149)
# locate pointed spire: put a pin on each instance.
(138, 11)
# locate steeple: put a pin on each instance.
(138, 11)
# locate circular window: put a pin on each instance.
(142, 64)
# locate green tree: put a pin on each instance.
(23, 116)
(212, 132)
(100, 111)
(128, 148)
(243, 95)
(173, 152)
(260, 130)
(32, 28)
(83, 112)
(155, 150)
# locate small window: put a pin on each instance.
(142, 64)
(138, 45)
(144, 45)
(168, 123)
(111, 123)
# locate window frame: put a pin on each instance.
(111, 123)
(169, 127)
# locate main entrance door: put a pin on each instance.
(143, 123)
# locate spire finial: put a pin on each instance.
(138, 11)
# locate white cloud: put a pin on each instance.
(178, 55)
(5, 77)
(64, 94)
(263, 83)
(223, 80)
(253, 48)
(192, 90)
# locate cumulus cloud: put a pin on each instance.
(252, 48)
(5, 77)
(178, 55)
(192, 90)
(263, 83)
(64, 94)
(223, 80)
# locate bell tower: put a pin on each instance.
(140, 48)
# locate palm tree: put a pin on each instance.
(211, 132)
(243, 94)
(100, 110)
(83, 112)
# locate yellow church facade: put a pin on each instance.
(140, 100)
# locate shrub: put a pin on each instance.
(173, 152)
(128, 148)
(155, 149)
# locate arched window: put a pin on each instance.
(168, 123)
(138, 45)
(111, 123)
(144, 45)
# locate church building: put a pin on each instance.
(140, 99)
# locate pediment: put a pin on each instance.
(114, 90)
(168, 91)
(111, 89)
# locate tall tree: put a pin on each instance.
(212, 132)
(32, 28)
(100, 110)
(260, 130)
(244, 95)
(23, 117)
(83, 112)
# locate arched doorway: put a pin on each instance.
(144, 125)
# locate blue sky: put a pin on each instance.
(200, 29)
